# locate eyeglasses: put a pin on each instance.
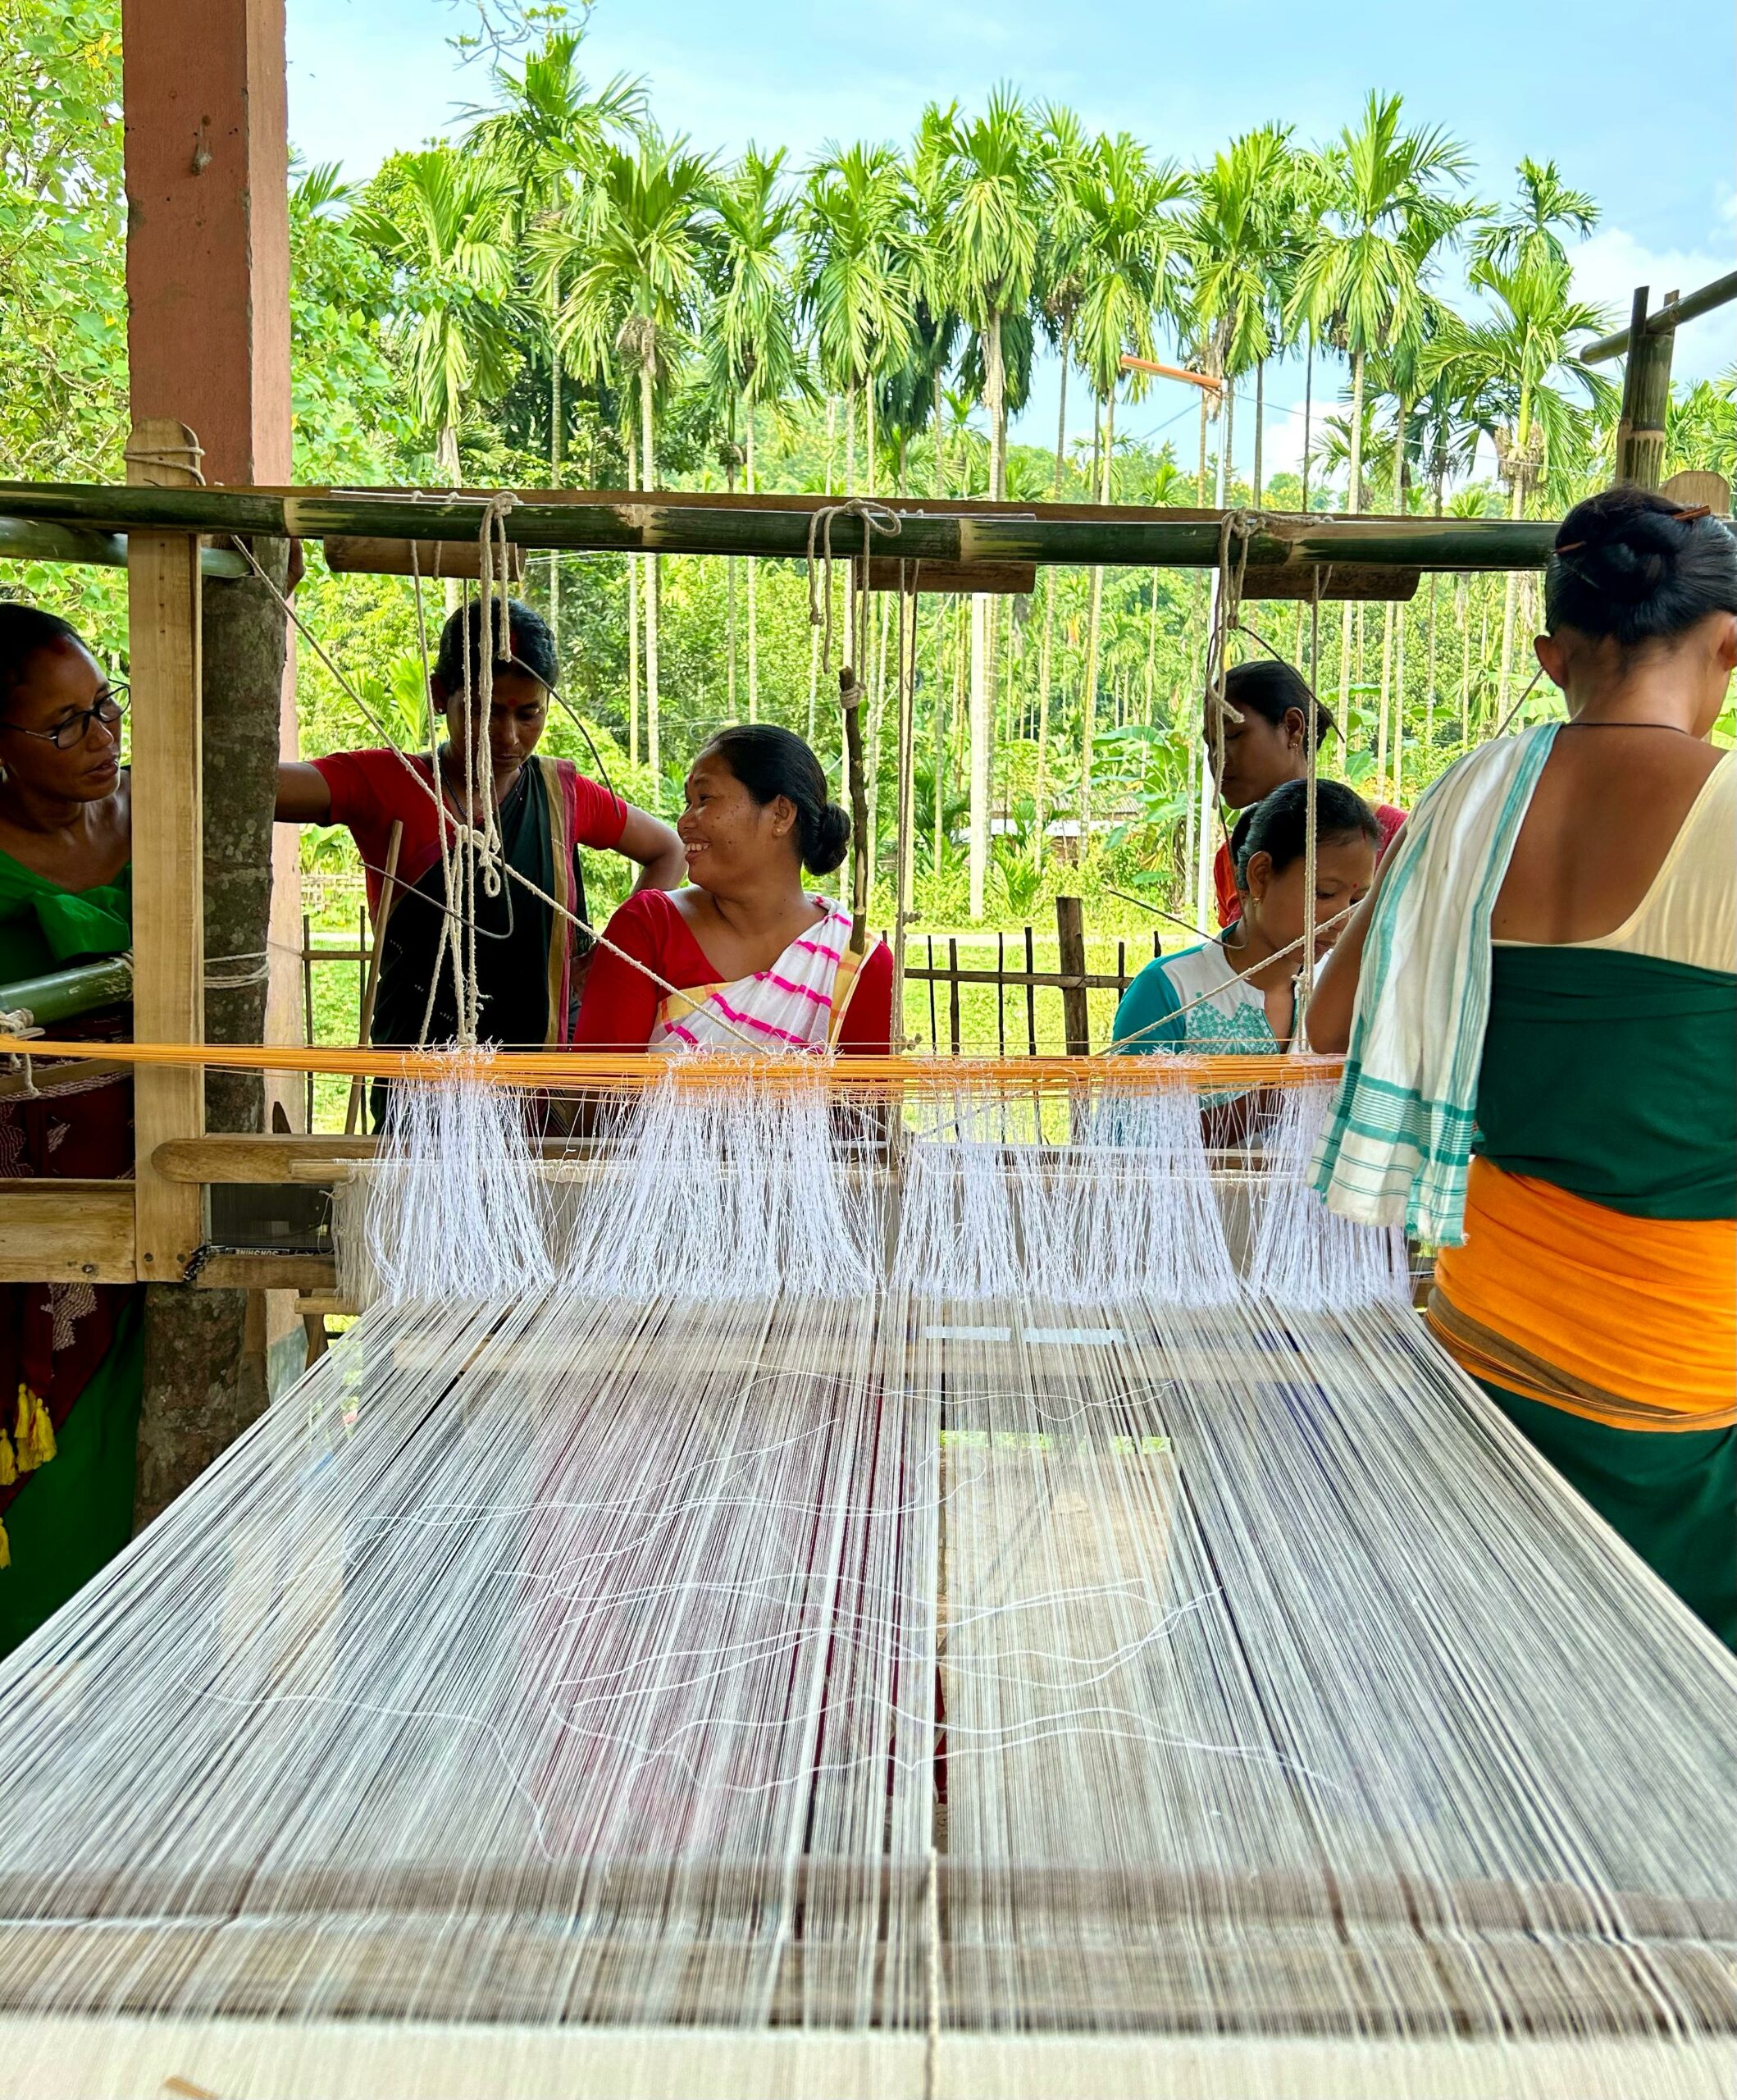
(77, 727)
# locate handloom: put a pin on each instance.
(848, 1587)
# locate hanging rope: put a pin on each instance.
(461, 832)
(907, 699)
(1311, 823)
(874, 517)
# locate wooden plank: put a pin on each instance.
(168, 883)
(268, 1270)
(1076, 1012)
(67, 1231)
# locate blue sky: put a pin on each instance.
(1646, 122)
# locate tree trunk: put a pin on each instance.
(938, 733)
(941, 438)
(1040, 793)
(1381, 721)
(1398, 616)
(1465, 665)
(1259, 424)
(1353, 503)
(555, 436)
(1511, 594)
(633, 617)
(649, 479)
(869, 475)
(448, 471)
(730, 590)
(850, 440)
(1061, 408)
(205, 1351)
(831, 433)
(979, 737)
(1308, 405)
(753, 579)
(1230, 438)
(995, 400)
(1105, 422)
(1200, 477)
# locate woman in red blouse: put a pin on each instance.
(1266, 747)
(746, 954)
(544, 810)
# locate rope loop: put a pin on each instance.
(875, 517)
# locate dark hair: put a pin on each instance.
(530, 645)
(1267, 687)
(1279, 824)
(769, 762)
(1630, 562)
(23, 631)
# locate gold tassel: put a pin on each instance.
(8, 1463)
(34, 1434)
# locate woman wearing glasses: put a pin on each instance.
(70, 1354)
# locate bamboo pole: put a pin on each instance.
(1083, 536)
(371, 985)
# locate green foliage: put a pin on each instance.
(561, 287)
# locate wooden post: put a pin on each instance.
(1646, 396)
(1076, 1004)
(168, 891)
(208, 277)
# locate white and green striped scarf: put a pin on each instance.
(1398, 1142)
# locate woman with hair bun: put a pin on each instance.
(1539, 1002)
(748, 952)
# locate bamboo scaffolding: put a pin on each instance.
(611, 522)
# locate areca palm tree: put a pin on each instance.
(639, 236)
(1529, 230)
(448, 237)
(752, 353)
(1127, 240)
(1234, 242)
(1362, 277)
(856, 276)
(1513, 364)
(993, 196)
(547, 133)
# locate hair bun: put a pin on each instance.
(1635, 557)
(825, 850)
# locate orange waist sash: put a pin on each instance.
(1631, 1321)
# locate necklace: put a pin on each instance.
(1676, 729)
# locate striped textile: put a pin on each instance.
(787, 1007)
(1398, 1141)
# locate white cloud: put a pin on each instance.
(1609, 266)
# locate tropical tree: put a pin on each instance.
(1233, 242)
(546, 133)
(639, 235)
(856, 258)
(1128, 239)
(1528, 232)
(1514, 365)
(752, 353)
(1361, 279)
(443, 221)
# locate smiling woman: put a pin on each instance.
(747, 954)
(71, 1365)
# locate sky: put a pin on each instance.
(1647, 122)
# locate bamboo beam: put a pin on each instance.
(168, 886)
(1674, 313)
(1646, 395)
(1078, 535)
(79, 546)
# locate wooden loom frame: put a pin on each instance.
(153, 1228)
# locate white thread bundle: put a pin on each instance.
(566, 1690)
